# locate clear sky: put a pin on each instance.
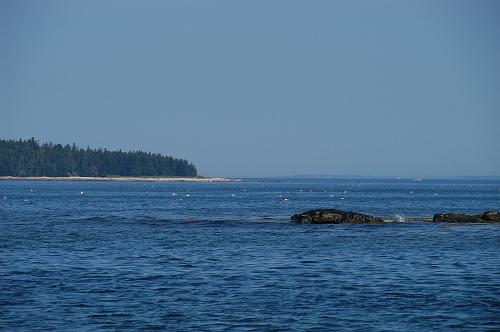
(261, 88)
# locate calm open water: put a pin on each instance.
(91, 256)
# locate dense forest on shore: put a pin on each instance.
(30, 158)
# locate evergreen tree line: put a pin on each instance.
(30, 158)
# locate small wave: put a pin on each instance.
(148, 219)
(116, 218)
(105, 218)
(231, 221)
(154, 220)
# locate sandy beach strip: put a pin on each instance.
(117, 179)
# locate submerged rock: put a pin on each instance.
(333, 216)
(456, 217)
(489, 216)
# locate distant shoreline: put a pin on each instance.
(116, 179)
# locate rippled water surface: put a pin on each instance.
(223, 257)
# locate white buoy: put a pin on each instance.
(81, 192)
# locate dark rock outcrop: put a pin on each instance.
(489, 216)
(493, 216)
(333, 216)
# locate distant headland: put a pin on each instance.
(30, 160)
(117, 179)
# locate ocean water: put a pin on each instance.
(92, 256)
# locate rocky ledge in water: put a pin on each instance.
(489, 216)
(333, 216)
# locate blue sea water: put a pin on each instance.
(90, 256)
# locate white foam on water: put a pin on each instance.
(400, 218)
(396, 218)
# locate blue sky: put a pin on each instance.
(261, 88)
